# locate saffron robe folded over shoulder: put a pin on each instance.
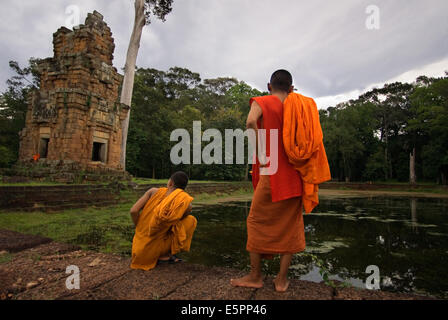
(161, 230)
(303, 142)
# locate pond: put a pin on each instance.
(406, 238)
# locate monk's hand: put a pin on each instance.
(188, 211)
(186, 214)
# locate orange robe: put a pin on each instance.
(274, 227)
(275, 222)
(303, 142)
(161, 230)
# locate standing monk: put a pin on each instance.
(165, 225)
(275, 222)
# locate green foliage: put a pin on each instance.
(367, 139)
(13, 107)
(325, 272)
(371, 138)
(7, 158)
(375, 166)
(158, 8)
(167, 100)
(349, 138)
(5, 257)
(108, 229)
(430, 117)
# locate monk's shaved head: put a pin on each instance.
(281, 80)
(180, 180)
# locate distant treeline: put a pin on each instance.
(378, 136)
(167, 100)
(372, 138)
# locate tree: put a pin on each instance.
(143, 11)
(392, 106)
(174, 99)
(13, 108)
(395, 132)
(430, 106)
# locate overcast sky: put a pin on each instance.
(326, 45)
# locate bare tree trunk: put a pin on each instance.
(386, 155)
(412, 175)
(129, 71)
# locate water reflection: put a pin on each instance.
(348, 235)
(414, 215)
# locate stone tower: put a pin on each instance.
(76, 115)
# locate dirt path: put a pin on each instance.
(39, 273)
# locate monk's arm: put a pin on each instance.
(138, 206)
(255, 114)
(188, 211)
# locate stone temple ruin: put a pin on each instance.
(75, 118)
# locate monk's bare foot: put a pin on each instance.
(281, 285)
(248, 281)
(164, 258)
(170, 259)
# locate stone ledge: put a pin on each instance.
(39, 274)
(41, 198)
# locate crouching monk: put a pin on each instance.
(275, 223)
(165, 226)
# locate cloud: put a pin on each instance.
(437, 69)
(325, 44)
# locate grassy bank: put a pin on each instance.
(388, 186)
(135, 180)
(165, 181)
(218, 198)
(424, 187)
(30, 184)
(108, 230)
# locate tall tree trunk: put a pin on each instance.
(386, 153)
(129, 71)
(385, 136)
(412, 175)
(346, 171)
